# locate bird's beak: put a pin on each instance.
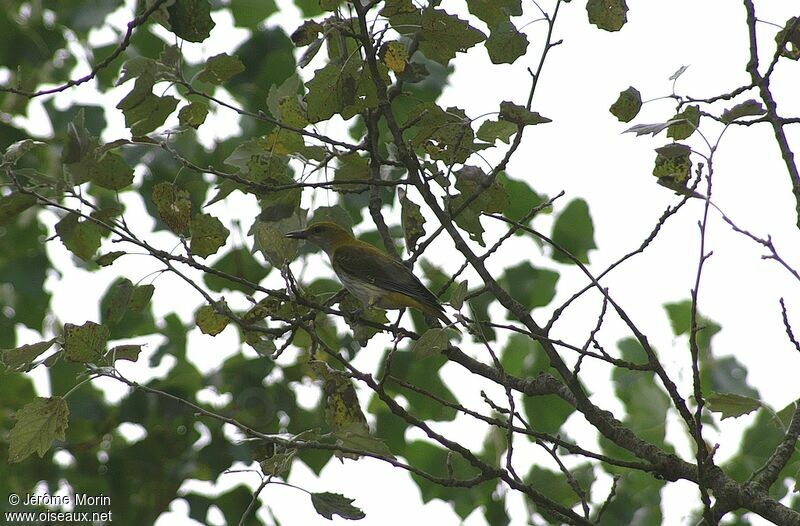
(297, 234)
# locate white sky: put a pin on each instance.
(583, 153)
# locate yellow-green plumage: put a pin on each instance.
(370, 275)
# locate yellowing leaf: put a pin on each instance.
(210, 321)
(395, 56)
(84, 343)
(173, 206)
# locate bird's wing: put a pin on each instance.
(376, 268)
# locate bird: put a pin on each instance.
(372, 276)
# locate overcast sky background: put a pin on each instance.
(583, 153)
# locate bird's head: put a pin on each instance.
(324, 234)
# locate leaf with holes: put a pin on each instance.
(84, 343)
(609, 15)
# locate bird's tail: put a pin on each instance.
(438, 312)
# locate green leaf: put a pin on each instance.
(691, 119)
(141, 297)
(412, 220)
(193, 114)
(21, 358)
(263, 345)
(525, 358)
(342, 409)
(329, 5)
(520, 115)
(397, 7)
(431, 343)
(118, 301)
(124, 352)
(210, 321)
(680, 316)
(556, 487)
(189, 19)
(144, 111)
(307, 33)
(747, 108)
(13, 205)
(491, 131)
(789, 42)
(492, 198)
(446, 134)
(38, 424)
(574, 231)
(494, 12)
(352, 167)
(278, 464)
(240, 263)
(506, 44)
(250, 13)
(331, 90)
(84, 343)
(627, 105)
(646, 402)
(111, 171)
(610, 15)
(731, 405)
(330, 504)
(220, 69)
(443, 35)
(276, 247)
(81, 237)
(522, 198)
(673, 163)
(334, 214)
(532, 287)
(208, 235)
(356, 437)
(459, 295)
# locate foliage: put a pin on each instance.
(351, 132)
